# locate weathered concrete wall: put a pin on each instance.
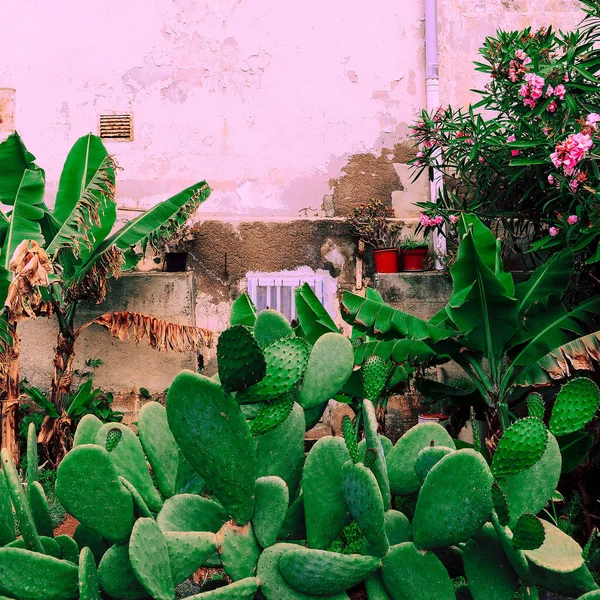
(127, 366)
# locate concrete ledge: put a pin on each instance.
(422, 294)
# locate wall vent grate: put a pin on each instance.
(116, 127)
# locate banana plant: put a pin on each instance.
(506, 337)
(77, 236)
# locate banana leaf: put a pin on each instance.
(383, 320)
(480, 305)
(398, 351)
(582, 354)
(85, 210)
(27, 211)
(551, 278)
(15, 159)
(162, 220)
(314, 319)
(548, 328)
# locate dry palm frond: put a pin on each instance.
(93, 286)
(581, 354)
(31, 267)
(160, 334)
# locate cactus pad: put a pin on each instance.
(374, 445)
(89, 584)
(428, 458)
(188, 551)
(188, 512)
(325, 507)
(69, 550)
(535, 406)
(402, 458)
(241, 361)
(357, 342)
(286, 362)
(272, 584)
(34, 576)
(272, 499)
(575, 406)
(150, 559)
(32, 454)
(244, 589)
(87, 430)
(160, 446)
(500, 504)
(323, 573)
(520, 447)
(7, 521)
(88, 486)
(40, 511)
(397, 527)
(529, 490)
(212, 432)
(127, 454)
(454, 502)
(364, 501)
(270, 327)
(409, 574)
(329, 367)
(350, 438)
(273, 413)
(116, 575)
(529, 533)
(375, 372)
(280, 452)
(239, 550)
(488, 570)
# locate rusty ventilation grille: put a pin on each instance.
(116, 127)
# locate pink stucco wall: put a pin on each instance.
(268, 99)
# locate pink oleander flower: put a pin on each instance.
(552, 107)
(551, 179)
(428, 143)
(453, 218)
(546, 130)
(592, 120)
(512, 74)
(481, 160)
(570, 152)
(417, 163)
(549, 91)
(574, 185)
(526, 61)
(436, 221)
(424, 220)
(520, 54)
(524, 90)
(566, 77)
(430, 222)
(419, 154)
(559, 91)
(511, 138)
(553, 231)
(529, 102)
(572, 219)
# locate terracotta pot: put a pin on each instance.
(175, 261)
(414, 260)
(433, 418)
(386, 261)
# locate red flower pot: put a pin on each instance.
(386, 261)
(414, 260)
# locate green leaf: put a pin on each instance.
(480, 305)
(573, 449)
(40, 399)
(82, 399)
(581, 354)
(243, 311)
(151, 226)
(314, 319)
(550, 278)
(398, 351)
(85, 209)
(551, 327)
(27, 212)
(15, 159)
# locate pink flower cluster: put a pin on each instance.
(513, 138)
(518, 67)
(533, 89)
(571, 152)
(592, 120)
(430, 222)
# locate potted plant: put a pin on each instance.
(372, 224)
(414, 252)
(177, 249)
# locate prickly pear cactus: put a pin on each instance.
(575, 406)
(273, 514)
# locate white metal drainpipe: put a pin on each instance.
(432, 86)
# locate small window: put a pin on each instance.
(116, 127)
(276, 291)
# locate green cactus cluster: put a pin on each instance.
(219, 478)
